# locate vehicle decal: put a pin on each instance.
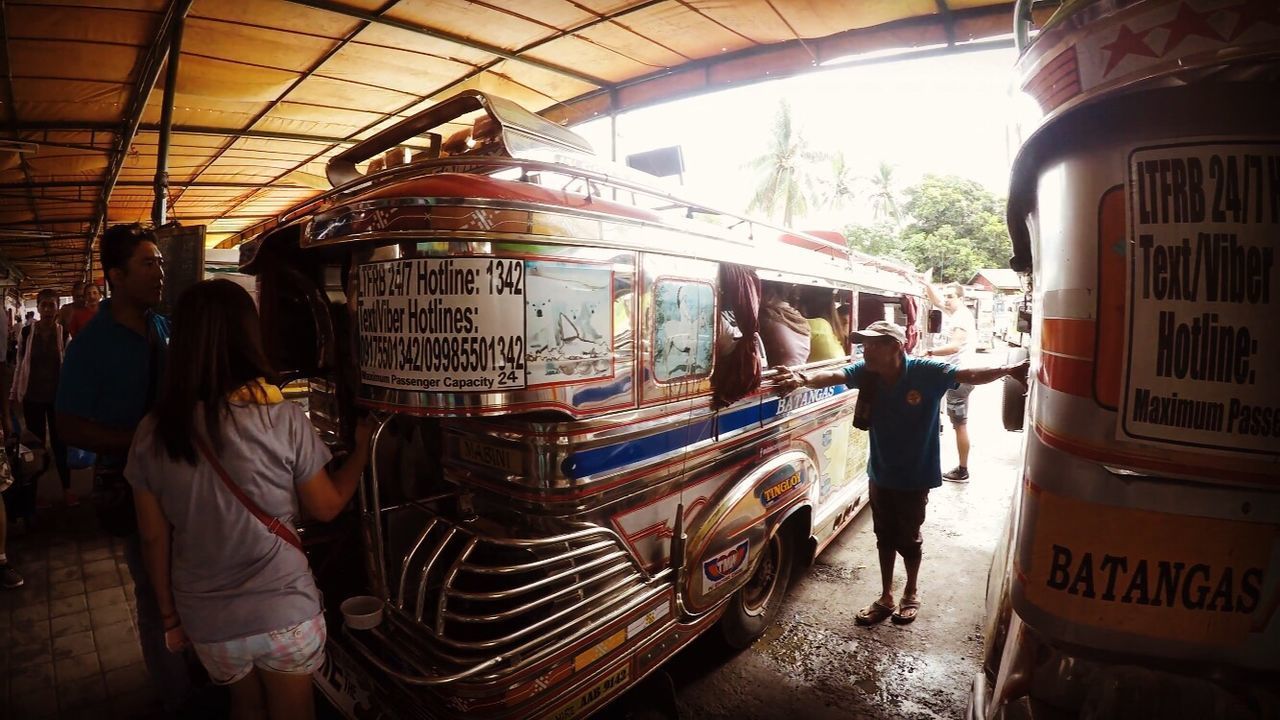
(601, 460)
(649, 619)
(569, 313)
(599, 650)
(780, 484)
(647, 529)
(452, 324)
(1203, 287)
(343, 689)
(1159, 575)
(547, 679)
(724, 566)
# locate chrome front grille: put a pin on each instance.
(464, 603)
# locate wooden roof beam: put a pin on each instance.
(359, 14)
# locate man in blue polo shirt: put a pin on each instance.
(108, 384)
(905, 463)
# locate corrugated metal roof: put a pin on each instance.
(269, 90)
(1001, 278)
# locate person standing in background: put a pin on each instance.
(960, 331)
(109, 382)
(85, 313)
(35, 385)
(9, 578)
(67, 311)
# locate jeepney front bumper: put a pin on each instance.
(358, 691)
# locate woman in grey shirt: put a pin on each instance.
(220, 441)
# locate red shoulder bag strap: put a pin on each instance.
(273, 524)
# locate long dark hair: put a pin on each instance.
(216, 348)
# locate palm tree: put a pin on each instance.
(841, 184)
(786, 182)
(883, 195)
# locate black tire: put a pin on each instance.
(754, 606)
(1013, 400)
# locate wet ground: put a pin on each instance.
(815, 663)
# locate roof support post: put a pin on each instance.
(159, 205)
(148, 73)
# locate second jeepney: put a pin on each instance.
(570, 479)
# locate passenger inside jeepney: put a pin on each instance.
(842, 325)
(817, 305)
(783, 329)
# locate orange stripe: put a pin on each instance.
(1069, 336)
(1179, 463)
(1067, 375)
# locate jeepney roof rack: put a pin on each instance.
(503, 128)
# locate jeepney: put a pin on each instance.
(568, 483)
(1140, 571)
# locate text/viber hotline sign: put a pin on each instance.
(1202, 364)
(454, 324)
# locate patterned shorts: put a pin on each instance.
(296, 650)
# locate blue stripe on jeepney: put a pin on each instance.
(612, 457)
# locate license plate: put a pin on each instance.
(492, 456)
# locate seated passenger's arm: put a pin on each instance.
(324, 495)
(93, 436)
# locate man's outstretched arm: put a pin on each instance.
(986, 375)
(823, 379)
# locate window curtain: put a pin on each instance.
(910, 309)
(738, 373)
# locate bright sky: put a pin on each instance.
(944, 115)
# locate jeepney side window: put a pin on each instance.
(684, 330)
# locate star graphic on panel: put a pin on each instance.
(1186, 23)
(1253, 12)
(1127, 43)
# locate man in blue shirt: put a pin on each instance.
(108, 384)
(905, 463)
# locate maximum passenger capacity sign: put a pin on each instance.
(1203, 353)
(442, 324)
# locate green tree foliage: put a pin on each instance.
(787, 179)
(955, 226)
(882, 239)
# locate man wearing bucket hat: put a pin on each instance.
(905, 463)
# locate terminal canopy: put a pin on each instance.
(268, 90)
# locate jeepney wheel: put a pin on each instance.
(754, 606)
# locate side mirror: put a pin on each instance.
(935, 321)
(1024, 321)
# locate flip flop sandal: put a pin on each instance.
(906, 612)
(873, 614)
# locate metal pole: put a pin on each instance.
(159, 209)
(148, 72)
